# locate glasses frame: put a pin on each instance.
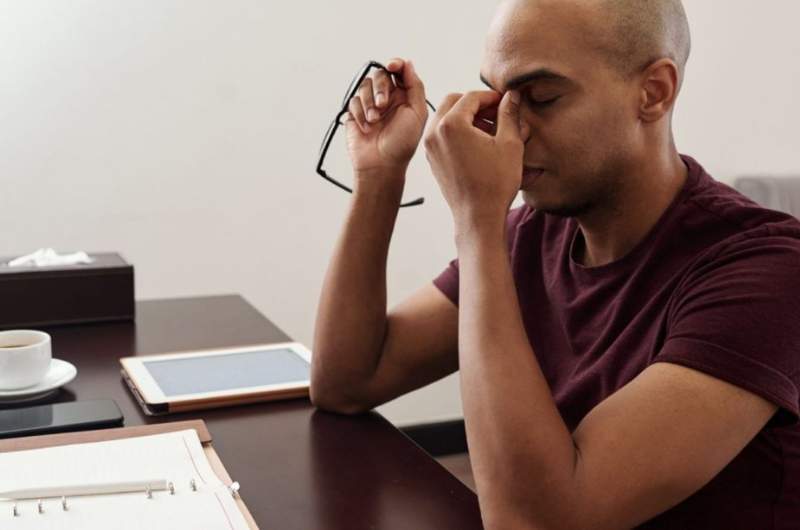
(355, 84)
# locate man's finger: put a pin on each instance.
(444, 107)
(383, 87)
(410, 81)
(448, 103)
(357, 113)
(473, 102)
(508, 116)
(365, 93)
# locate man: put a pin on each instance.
(628, 341)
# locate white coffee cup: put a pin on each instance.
(25, 357)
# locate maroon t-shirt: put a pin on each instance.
(714, 286)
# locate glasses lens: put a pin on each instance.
(327, 136)
(356, 81)
(335, 160)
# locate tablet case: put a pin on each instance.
(159, 409)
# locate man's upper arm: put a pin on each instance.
(421, 345)
(725, 367)
(658, 440)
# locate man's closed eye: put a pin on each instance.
(541, 102)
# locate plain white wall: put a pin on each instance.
(184, 134)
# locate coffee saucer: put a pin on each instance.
(60, 373)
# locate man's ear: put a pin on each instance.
(659, 89)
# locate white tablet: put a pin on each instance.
(173, 382)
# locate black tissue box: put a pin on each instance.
(66, 294)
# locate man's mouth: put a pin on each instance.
(530, 175)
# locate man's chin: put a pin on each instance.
(560, 210)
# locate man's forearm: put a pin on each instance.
(522, 452)
(351, 318)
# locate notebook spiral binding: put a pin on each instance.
(15, 511)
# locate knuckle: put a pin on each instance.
(382, 86)
(430, 140)
(446, 127)
(365, 92)
(381, 77)
(448, 99)
(356, 110)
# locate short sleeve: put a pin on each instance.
(447, 281)
(736, 316)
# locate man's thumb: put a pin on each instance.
(508, 115)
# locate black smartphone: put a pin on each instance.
(60, 417)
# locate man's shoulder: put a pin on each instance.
(724, 203)
(724, 233)
(730, 220)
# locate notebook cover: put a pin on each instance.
(103, 435)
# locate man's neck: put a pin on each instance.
(610, 234)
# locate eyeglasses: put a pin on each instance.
(332, 128)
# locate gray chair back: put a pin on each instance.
(775, 193)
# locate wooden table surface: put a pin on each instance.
(299, 468)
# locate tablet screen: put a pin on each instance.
(213, 373)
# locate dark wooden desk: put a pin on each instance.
(299, 468)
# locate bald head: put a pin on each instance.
(638, 32)
(629, 34)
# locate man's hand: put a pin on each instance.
(385, 122)
(479, 173)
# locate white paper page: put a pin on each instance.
(206, 510)
(177, 457)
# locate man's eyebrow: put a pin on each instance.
(536, 75)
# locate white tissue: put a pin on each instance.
(45, 257)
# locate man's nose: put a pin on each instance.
(524, 131)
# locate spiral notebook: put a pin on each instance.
(198, 498)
